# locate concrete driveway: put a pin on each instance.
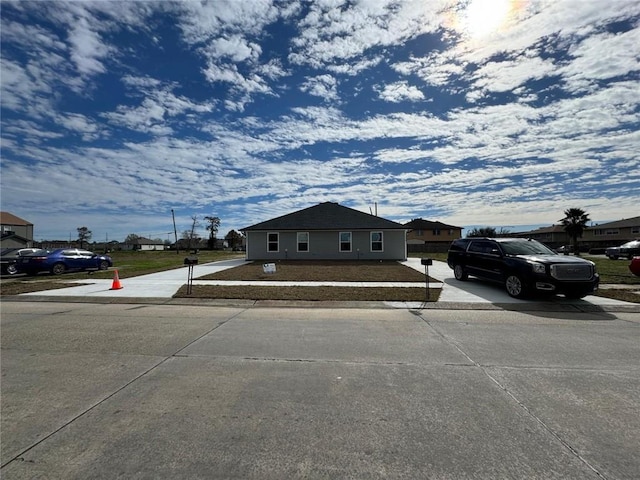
(143, 391)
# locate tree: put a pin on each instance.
(234, 239)
(489, 232)
(191, 235)
(131, 238)
(574, 222)
(212, 226)
(84, 235)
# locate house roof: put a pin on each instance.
(7, 218)
(541, 230)
(327, 216)
(627, 222)
(146, 241)
(420, 224)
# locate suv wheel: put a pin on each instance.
(514, 286)
(459, 273)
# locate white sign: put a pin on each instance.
(269, 268)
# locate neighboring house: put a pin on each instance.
(428, 236)
(327, 231)
(609, 234)
(612, 234)
(144, 244)
(15, 231)
(553, 236)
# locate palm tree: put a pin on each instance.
(574, 222)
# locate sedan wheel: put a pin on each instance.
(103, 265)
(11, 269)
(459, 273)
(514, 286)
(58, 269)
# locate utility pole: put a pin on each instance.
(175, 232)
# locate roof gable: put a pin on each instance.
(327, 216)
(7, 218)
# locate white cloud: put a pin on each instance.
(401, 91)
(324, 86)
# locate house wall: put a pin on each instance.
(24, 231)
(418, 236)
(325, 245)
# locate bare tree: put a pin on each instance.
(192, 234)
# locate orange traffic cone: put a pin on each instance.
(116, 282)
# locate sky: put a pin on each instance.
(500, 113)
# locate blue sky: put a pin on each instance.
(495, 113)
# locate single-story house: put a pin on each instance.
(429, 236)
(143, 244)
(15, 231)
(327, 231)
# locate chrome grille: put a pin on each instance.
(571, 271)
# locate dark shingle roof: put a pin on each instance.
(327, 216)
(627, 222)
(420, 224)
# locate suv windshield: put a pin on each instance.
(530, 247)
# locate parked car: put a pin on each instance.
(61, 260)
(9, 257)
(626, 250)
(523, 266)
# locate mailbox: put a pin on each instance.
(192, 260)
(426, 261)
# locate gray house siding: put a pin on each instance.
(325, 245)
(314, 233)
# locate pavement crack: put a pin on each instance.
(19, 455)
(513, 397)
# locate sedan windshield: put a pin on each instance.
(530, 247)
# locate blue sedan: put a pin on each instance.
(62, 260)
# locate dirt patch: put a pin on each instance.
(319, 271)
(340, 294)
(17, 288)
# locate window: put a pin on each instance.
(635, 229)
(376, 242)
(608, 231)
(272, 242)
(488, 248)
(303, 241)
(436, 231)
(345, 241)
(419, 233)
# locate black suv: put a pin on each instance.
(523, 266)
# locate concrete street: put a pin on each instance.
(148, 391)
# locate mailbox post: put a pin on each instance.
(190, 262)
(426, 262)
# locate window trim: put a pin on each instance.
(298, 242)
(277, 242)
(381, 241)
(340, 242)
